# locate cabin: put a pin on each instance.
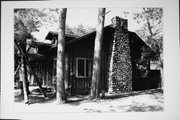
(125, 62)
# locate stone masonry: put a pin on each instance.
(120, 70)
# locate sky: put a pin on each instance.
(88, 17)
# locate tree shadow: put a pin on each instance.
(79, 99)
(144, 108)
(35, 98)
(123, 95)
(91, 110)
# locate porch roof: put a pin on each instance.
(54, 34)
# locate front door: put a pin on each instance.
(83, 75)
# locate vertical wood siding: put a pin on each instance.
(43, 69)
(84, 49)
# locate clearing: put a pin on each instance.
(139, 101)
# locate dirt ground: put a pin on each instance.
(140, 101)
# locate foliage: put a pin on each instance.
(28, 21)
(151, 31)
(69, 30)
(79, 30)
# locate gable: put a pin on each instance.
(138, 46)
(138, 43)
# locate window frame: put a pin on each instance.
(85, 62)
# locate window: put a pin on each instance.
(142, 69)
(83, 67)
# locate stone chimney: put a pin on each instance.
(120, 70)
(119, 22)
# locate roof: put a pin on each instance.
(42, 43)
(72, 38)
(54, 34)
(139, 42)
(50, 36)
(86, 35)
(131, 34)
(69, 39)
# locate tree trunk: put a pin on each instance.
(23, 78)
(20, 85)
(149, 27)
(26, 59)
(26, 76)
(60, 93)
(95, 86)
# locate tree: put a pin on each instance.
(69, 30)
(152, 28)
(60, 93)
(95, 86)
(79, 30)
(89, 29)
(24, 80)
(152, 31)
(26, 21)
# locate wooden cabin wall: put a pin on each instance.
(43, 69)
(140, 64)
(53, 77)
(85, 49)
(78, 50)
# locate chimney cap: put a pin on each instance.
(119, 22)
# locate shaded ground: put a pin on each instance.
(140, 101)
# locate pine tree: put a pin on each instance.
(60, 93)
(96, 80)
